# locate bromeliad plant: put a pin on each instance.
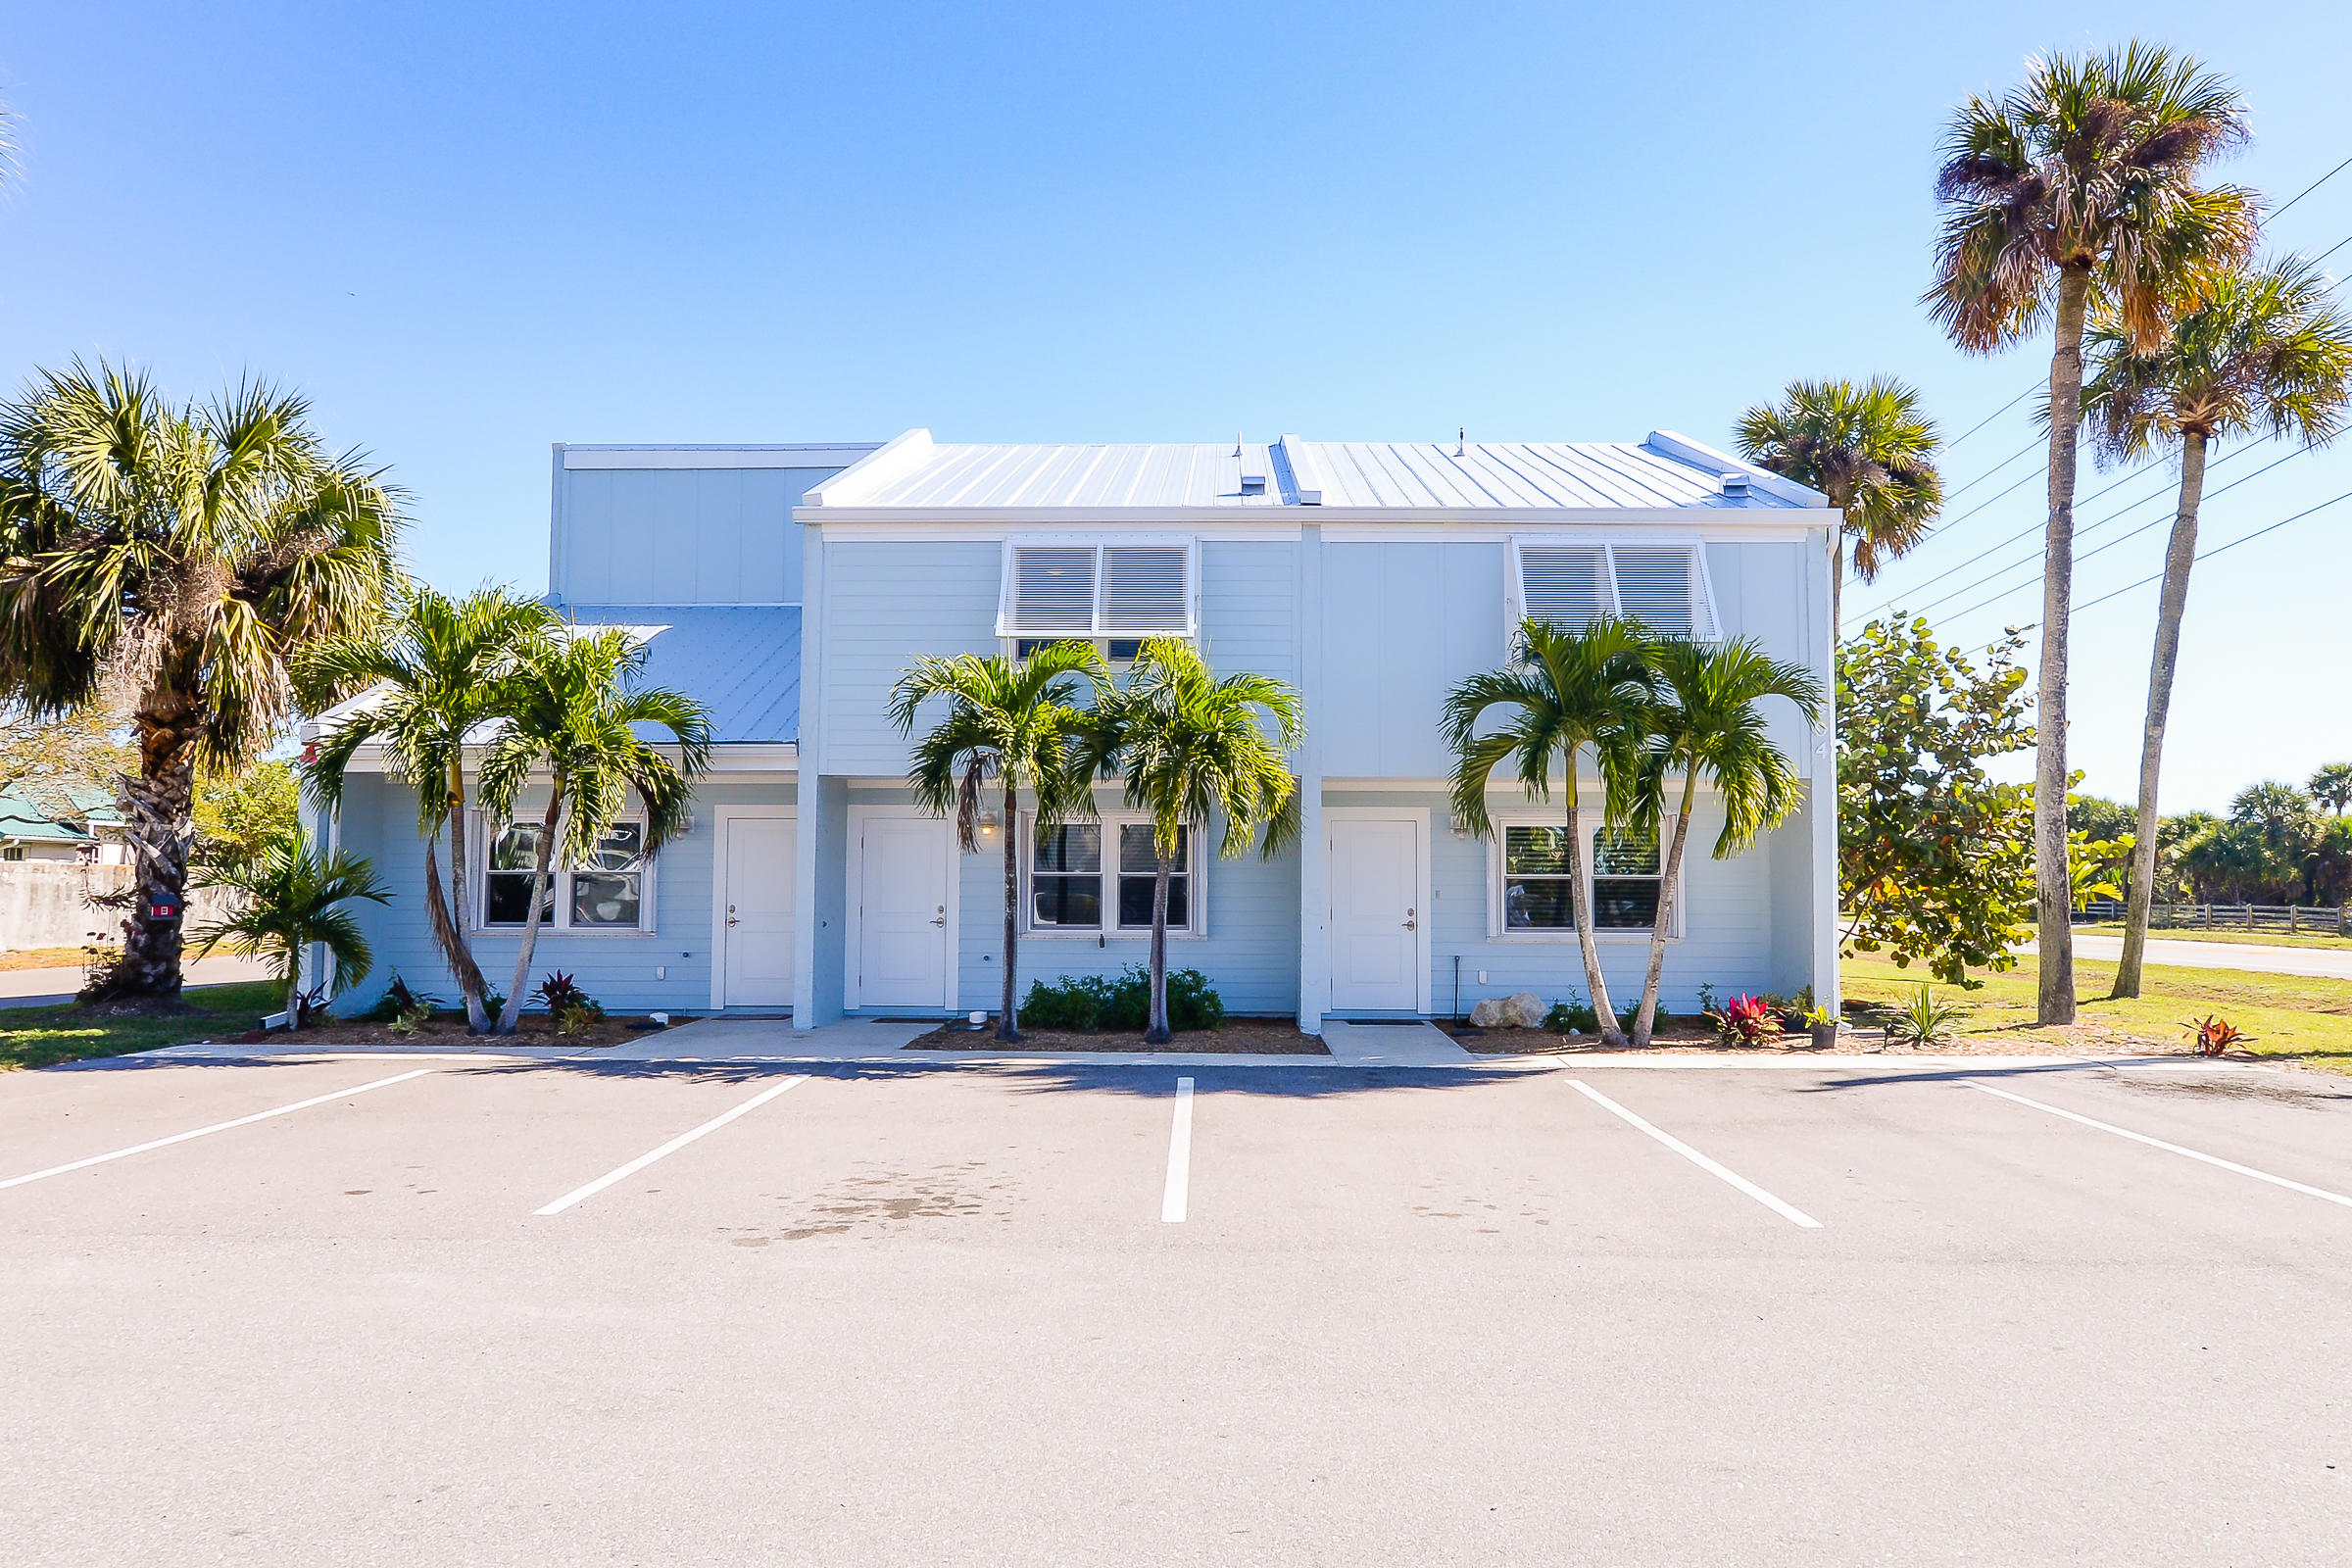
(1926, 1020)
(1746, 1022)
(2215, 1035)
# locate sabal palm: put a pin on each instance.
(1869, 449)
(570, 710)
(291, 896)
(2080, 183)
(1569, 692)
(1708, 723)
(2266, 350)
(1191, 745)
(432, 680)
(175, 560)
(2332, 787)
(1012, 723)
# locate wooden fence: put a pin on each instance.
(2310, 919)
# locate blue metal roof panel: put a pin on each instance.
(742, 660)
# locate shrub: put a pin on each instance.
(2215, 1035)
(1926, 1021)
(1746, 1022)
(1122, 1002)
(1575, 1013)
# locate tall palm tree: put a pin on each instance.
(1191, 746)
(1569, 692)
(1014, 722)
(2266, 350)
(290, 898)
(1869, 449)
(2332, 787)
(2080, 182)
(571, 709)
(1707, 724)
(432, 680)
(175, 560)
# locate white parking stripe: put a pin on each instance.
(2174, 1149)
(216, 1127)
(672, 1147)
(1790, 1212)
(1180, 1155)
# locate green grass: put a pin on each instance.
(2291, 1017)
(2259, 939)
(41, 1036)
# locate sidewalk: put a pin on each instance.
(2318, 963)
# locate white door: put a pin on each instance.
(1375, 915)
(902, 912)
(758, 891)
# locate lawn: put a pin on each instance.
(2289, 1017)
(45, 958)
(2259, 939)
(40, 1037)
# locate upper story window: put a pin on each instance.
(1664, 586)
(612, 890)
(1116, 590)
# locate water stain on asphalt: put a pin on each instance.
(2234, 1087)
(877, 1200)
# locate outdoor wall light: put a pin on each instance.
(987, 824)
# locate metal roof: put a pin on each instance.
(742, 660)
(1662, 473)
(21, 819)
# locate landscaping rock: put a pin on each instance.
(1487, 1015)
(1526, 1010)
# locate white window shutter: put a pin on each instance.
(1564, 585)
(1050, 590)
(1665, 588)
(1146, 589)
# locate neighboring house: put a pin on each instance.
(51, 819)
(789, 587)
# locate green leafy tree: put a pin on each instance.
(2263, 852)
(2080, 183)
(1566, 694)
(175, 560)
(1191, 746)
(1708, 723)
(1934, 858)
(290, 898)
(1013, 724)
(2264, 351)
(2332, 787)
(433, 679)
(1868, 448)
(240, 815)
(81, 748)
(571, 710)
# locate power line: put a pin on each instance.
(2314, 185)
(1995, 469)
(1994, 414)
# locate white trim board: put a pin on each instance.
(834, 456)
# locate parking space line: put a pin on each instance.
(216, 1127)
(672, 1147)
(1180, 1155)
(2175, 1148)
(1790, 1212)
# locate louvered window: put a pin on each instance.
(1664, 586)
(1128, 589)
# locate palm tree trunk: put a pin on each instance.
(1580, 903)
(161, 808)
(1008, 1023)
(1665, 921)
(2179, 554)
(510, 1016)
(1160, 1034)
(2053, 887)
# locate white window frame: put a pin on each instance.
(1706, 621)
(1099, 630)
(559, 881)
(1197, 930)
(1496, 875)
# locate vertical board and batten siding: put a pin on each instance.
(887, 602)
(1760, 593)
(1402, 623)
(1250, 608)
(379, 821)
(679, 536)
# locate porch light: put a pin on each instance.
(987, 824)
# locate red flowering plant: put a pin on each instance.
(1745, 1021)
(2215, 1035)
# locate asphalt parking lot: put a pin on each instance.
(457, 1312)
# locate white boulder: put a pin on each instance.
(1526, 1010)
(1487, 1015)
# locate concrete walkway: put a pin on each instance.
(2187, 953)
(43, 987)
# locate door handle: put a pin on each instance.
(941, 920)
(1410, 926)
(731, 921)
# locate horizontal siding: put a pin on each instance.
(885, 605)
(681, 536)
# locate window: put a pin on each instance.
(1664, 586)
(1124, 590)
(1625, 881)
(1537, 896)
(1117, 649)
(607, 890)
(1067, 875)
(12, 852)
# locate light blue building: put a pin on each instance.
(788, 586)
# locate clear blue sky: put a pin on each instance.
(469, 231)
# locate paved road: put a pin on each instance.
(2324, 962)
(935, 1314)
(38, 988)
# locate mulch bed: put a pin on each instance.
(535, 1029)
(1235, 1037)
(1693, 1040)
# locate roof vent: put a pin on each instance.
(1254, 468)
(1734, 484)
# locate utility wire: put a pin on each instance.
(2308, 189)
(1995, 469)
(1994, 414)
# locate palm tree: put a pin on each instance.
(1191, 744)
(2080, 182)
(2266, 350)
(1869, 449)
(2332, 787)
(293, 897)
(1570, 691)
(1014, 722)
(1706, 724)
(572, 706)
(432, 680)
(175, 560)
